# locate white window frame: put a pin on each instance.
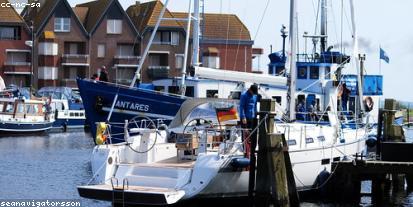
(62, 24)
(101, 50)
(114, 26)
(182, 57)
(174, 38)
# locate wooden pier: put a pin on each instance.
(391, 168)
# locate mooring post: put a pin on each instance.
(275, 183)
(263, 186)
(393, 133)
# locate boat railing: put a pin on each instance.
(137, 122)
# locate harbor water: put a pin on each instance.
(51, 166)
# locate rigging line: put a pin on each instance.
(226, 41)
(350, 28)
(316, 19)
(314, 9)
(262, 19)
(239, 43)
(341, 26)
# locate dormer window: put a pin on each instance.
(61, 24)
(114, 26)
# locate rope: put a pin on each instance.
(262, 19)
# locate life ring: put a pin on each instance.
(368, 104)
(100, 133)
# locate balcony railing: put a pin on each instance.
(75, 60)
(157, 72)
(126, 61)
(17, 68)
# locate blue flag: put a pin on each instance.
(384, 56)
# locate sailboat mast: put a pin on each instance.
(145, 53)
(356, 56)
(323, 26)
(188, 31)
(293, 59)
(195, 37)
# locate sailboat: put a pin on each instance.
(199, 157)
(115, 103)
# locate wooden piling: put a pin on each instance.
(275, 180)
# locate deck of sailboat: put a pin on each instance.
(172, 162)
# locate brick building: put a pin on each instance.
(166, 55)
(61, 44)
(225, 42)
(15, 55)
(113, 39)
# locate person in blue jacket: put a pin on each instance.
(248, 107)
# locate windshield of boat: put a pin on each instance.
(63, 93)
(208, 112)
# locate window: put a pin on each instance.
(179, 61)
(291, 142)
(101, 50)
(314, 72)
(309, 140)
(61, 24)
(159, 88)
(174, 38)
(47, 48)
(321, 138)
(125, 75)
(302, 73)
(327, 73)
(114, 26)
(211, 93)
(173, 89)
(125, 50)
(10, 33)
(166, 38)
(17, 58)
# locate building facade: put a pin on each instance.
(15, 55)
(114, 41)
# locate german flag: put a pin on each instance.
(226, 114)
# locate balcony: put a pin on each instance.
(75, 60)
(17, 68)
(126, 61)
(158, 72)
(71, 83)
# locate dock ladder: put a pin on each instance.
(118, 192)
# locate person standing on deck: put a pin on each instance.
(103, 74)
(345, 93)
(248, 107)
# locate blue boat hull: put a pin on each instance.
(98, 98)
(24, 127)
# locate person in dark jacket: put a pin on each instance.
(345, 93)
(103, 74)
(248, 106)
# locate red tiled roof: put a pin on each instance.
(9, 14)
(146, 14)
(221, 26)
(95, 11)
(81, 13)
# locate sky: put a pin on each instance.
(379, 23)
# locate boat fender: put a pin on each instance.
(371, 141)
(100, 133)
(240, 162)
(321, 182)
